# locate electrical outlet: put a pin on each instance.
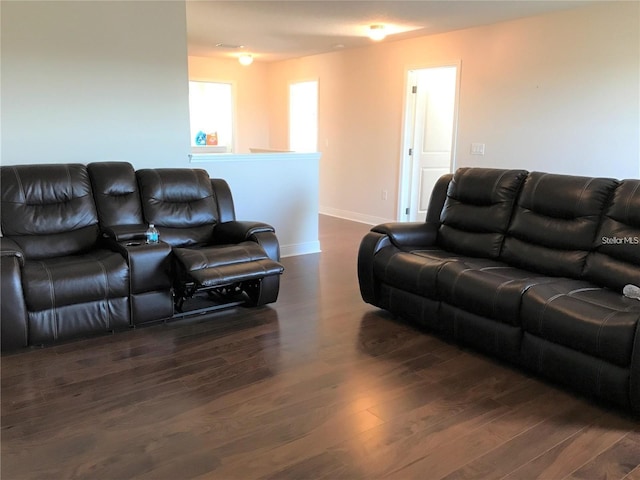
(385, 195)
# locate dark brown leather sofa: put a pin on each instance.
(526, 267)
(73, 257)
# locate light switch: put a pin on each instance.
(477, 149)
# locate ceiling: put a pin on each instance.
(279, 30)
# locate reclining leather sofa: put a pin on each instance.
(74, 261)
(526, 267)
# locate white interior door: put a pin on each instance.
(303, 116)
(431, 132)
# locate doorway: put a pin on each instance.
(303, 116)
(429, 136)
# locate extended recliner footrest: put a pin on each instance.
(235, 273)
(245, 267)
(217, 266)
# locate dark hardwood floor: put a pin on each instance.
(317, 386)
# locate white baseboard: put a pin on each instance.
(354, 216)
(314, 247)
(299, 249)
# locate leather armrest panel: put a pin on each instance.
(236, 231)
(121, 233)
(9, 248)
(413, 234)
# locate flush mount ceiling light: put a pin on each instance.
(230, 46)
(245, 59)
(377, 32)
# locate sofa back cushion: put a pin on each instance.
(555, 223)
(180, 203)
(48, 210)
(615, 260)
(115, 190)
(476, 213)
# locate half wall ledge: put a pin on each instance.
(279, 188)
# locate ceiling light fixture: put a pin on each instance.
(245, 59)
(376, 32)
(231, 46)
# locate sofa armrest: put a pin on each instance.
(13, 311)
(269, 242)
(9, 248)
(235, 231)
(259, 232)
(412, 234)
(121, 233)
(149, 279)
(369, 246)
(419, 234)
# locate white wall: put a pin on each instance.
(86, 81)
(93, 81)
(280, 189)
(90, 81)
(557, 92)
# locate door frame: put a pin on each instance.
(408, 133)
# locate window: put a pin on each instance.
(211, 116)
(303, 116)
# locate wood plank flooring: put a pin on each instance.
(316, 386)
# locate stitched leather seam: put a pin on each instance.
(544, 310)
(247, 254)
(533, 193)
(455, 282)
(495, 296)
(386, 267)
(419, 276)
(585, 289)
(590, 300)
(446, 262)
(498, 180)
(68, 172)
(496, 267)
(598, 336)
(579, 199)
(604, 322)
(161, 199)
(206, 260)
(196, 178)
(628, 206)
(106, 291)
(15, 172)
(52, 297)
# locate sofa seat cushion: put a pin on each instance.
(60, 281)
(220, 265)
(439, 254)
(578, 315)
(414, 271)
(487, 288)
